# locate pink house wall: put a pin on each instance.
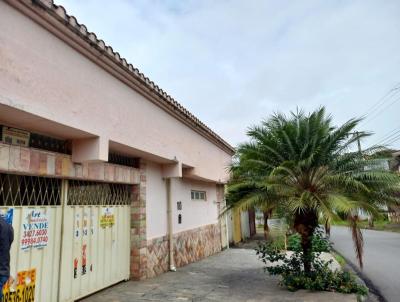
(49, 87)
(156, 202)
(194, 213)
(42, 75)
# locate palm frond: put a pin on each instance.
(358, 239)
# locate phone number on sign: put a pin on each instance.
(32, 233)
(34, 240)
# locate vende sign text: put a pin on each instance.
(35, 228)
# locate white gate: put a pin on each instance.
(96, 238)
(71, 238)
(33, 206)
(245, 226)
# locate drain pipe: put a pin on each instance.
(227, 229)
(170, 226)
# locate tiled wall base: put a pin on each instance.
(30, 161)
(157, 256)
(138, 228)
(189, 246)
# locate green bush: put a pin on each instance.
(321, 277)
(277, 242)
(319, 242)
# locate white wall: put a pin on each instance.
(194, 213)
(156, 202)
(230, 226)
(245, 226)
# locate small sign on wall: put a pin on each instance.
(23, 288)
(15, 136)
(107, 217)
(34, 229)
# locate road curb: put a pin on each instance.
(374, 293)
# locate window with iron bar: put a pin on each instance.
(23, 190)
(98, 193)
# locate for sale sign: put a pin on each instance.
(34, 229)
(22, 289)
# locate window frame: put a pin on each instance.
(197, 195)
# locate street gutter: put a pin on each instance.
(374, 294)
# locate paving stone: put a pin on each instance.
(232, 275)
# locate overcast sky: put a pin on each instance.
(233, 63)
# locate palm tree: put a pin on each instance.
(303, 165)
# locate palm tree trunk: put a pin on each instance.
(371, 222)
(266, 227)
(327, 228)
(267, 215)
(305, 223)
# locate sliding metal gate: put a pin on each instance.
(33, 206)
(72, 237)
(96, 237)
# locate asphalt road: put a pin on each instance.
(381, 258)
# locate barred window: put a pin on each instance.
(23, 190)
(118, 159)
(98, 193)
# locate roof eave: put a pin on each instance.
(55, 19)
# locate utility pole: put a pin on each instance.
(357, 134)
(358, 141)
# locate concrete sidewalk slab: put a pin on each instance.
(232, 275)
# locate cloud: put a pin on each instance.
(234, 62)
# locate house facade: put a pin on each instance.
(103, 175)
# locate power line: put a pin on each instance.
(388, 136)
(393, 140)
(394, 93)
(389, 139)
(380, 101)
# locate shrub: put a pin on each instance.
(319, 242)
(321, 277)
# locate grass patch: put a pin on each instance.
(339, 259)
(379, 225)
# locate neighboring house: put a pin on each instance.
(103, 175)
(241, 225)
(378, 164)
(389, 162)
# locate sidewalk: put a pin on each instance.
(232, 275)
